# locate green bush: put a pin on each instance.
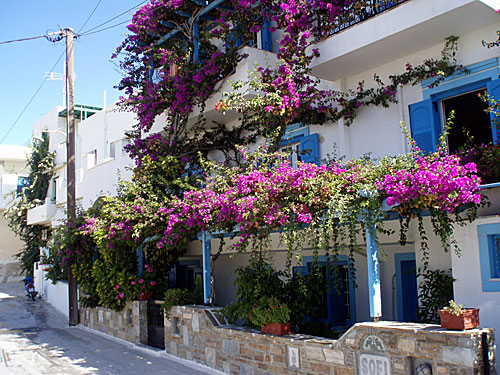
(176, 297)
(260, 281)
(436, 289)
(269, 310)
(198, 294)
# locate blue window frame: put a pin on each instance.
(305, 146)
(21, 182)
(262, 40)
(495, 255)
(489, 256)
(425, 116)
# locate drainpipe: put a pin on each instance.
(105, 130)
(344, 143)
(401, 110)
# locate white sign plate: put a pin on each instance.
(370, 364)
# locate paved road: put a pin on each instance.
(36, 340)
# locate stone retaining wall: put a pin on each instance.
(10, 271)
(129, 324)
(201, 335)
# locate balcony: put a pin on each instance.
(255, 57)
(42, 215)
(377, 37)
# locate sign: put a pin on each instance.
(370, 364)
(293, 358)
(373, 343)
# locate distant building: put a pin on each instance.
(100, 158)
(12, 174)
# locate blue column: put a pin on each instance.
(373, 272)
(140, 263)
(195, 42)
(207, 273)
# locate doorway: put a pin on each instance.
(406, 286)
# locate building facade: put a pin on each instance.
(12, 173)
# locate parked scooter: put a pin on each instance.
(30, 287)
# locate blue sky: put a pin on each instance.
(23, 64)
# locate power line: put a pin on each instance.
(114, 18)
(106, 28)
(32, 98)
(46, 78)
(90, 16)
(23, 39)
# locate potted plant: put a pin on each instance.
(272, 316)
(455, 316)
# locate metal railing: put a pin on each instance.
(360, 11)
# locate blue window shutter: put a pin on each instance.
(493, 88)
(267, 40)
(235, 39)
(302, 270)
(422, 125)
(309, 148)
(151, 71)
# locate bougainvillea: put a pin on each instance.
(176, 193)
(176, 75)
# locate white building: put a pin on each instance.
(100, 162)
(12, 174)
(406, 32)
(100, 158)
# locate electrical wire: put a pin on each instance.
(90, 16)
(114, 18)
(23, 39)
(60, 57)
(32, 98)
(106, 28)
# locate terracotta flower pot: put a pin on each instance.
(467, 320)
(278, 329)
(145, 296)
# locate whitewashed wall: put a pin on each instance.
(55, 294)
(467, 272)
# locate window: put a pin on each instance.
(21, 182)
(91, 158)
(460, 93)
(294, 152)
(303, 146)
(489, 256)
(112, 147)
(262, 39)
(470, 118)
(495, 255)
(338, 302)
(55, 183)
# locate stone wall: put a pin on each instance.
(129, 324)
(10, 271)
(384, 348)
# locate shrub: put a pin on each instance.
(176, 297)
(269, 310)
(436, 289)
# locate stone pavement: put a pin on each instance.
(36, 340)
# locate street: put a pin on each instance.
(36, 339)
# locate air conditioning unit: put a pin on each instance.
(45, 234)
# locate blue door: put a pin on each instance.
(409, 283)
(406, 284)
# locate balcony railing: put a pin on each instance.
(360, 11)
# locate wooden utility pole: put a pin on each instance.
(70, 167)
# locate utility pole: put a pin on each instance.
(70, 167)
